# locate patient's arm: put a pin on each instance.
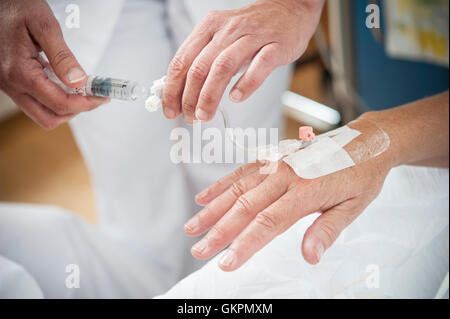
(248, 208)
(418, 131)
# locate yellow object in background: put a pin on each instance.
(418, 30)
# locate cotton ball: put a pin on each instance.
(158, 86)
(153, 103)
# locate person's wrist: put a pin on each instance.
(392, 156)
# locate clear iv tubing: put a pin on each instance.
(229, 132)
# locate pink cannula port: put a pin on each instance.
(306, 133)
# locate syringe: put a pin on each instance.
(105, 87)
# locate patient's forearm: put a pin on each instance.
(418, 131)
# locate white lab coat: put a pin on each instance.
(16, 282)
(40, 246)
(142, 198)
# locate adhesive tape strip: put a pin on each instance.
(339, 149)
(324, 157)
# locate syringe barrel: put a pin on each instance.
(111, 88)
(104, 86)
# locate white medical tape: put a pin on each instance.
(339, 149)
(343, 135)
(321, 158)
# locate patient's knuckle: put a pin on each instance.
(237, 188)
(211, 17)
(223, 65)
(244, 205)
(208, 24)
(233, 25)
(268, 221)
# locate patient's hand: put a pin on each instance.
(262, 36)
(249, 209)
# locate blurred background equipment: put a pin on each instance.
(7, 107)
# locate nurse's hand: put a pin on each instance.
(249, 209)
(255, 39)
(26, 28)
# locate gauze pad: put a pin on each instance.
(339, 149)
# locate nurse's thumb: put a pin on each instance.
(47, 33)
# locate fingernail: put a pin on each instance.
(188, 119)
(228, 259)
(202, 194)
(169, 113)
(200, 246)
(75, 75)
(191, 225)
(201, 115)
(236, 95)
(319, 251)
